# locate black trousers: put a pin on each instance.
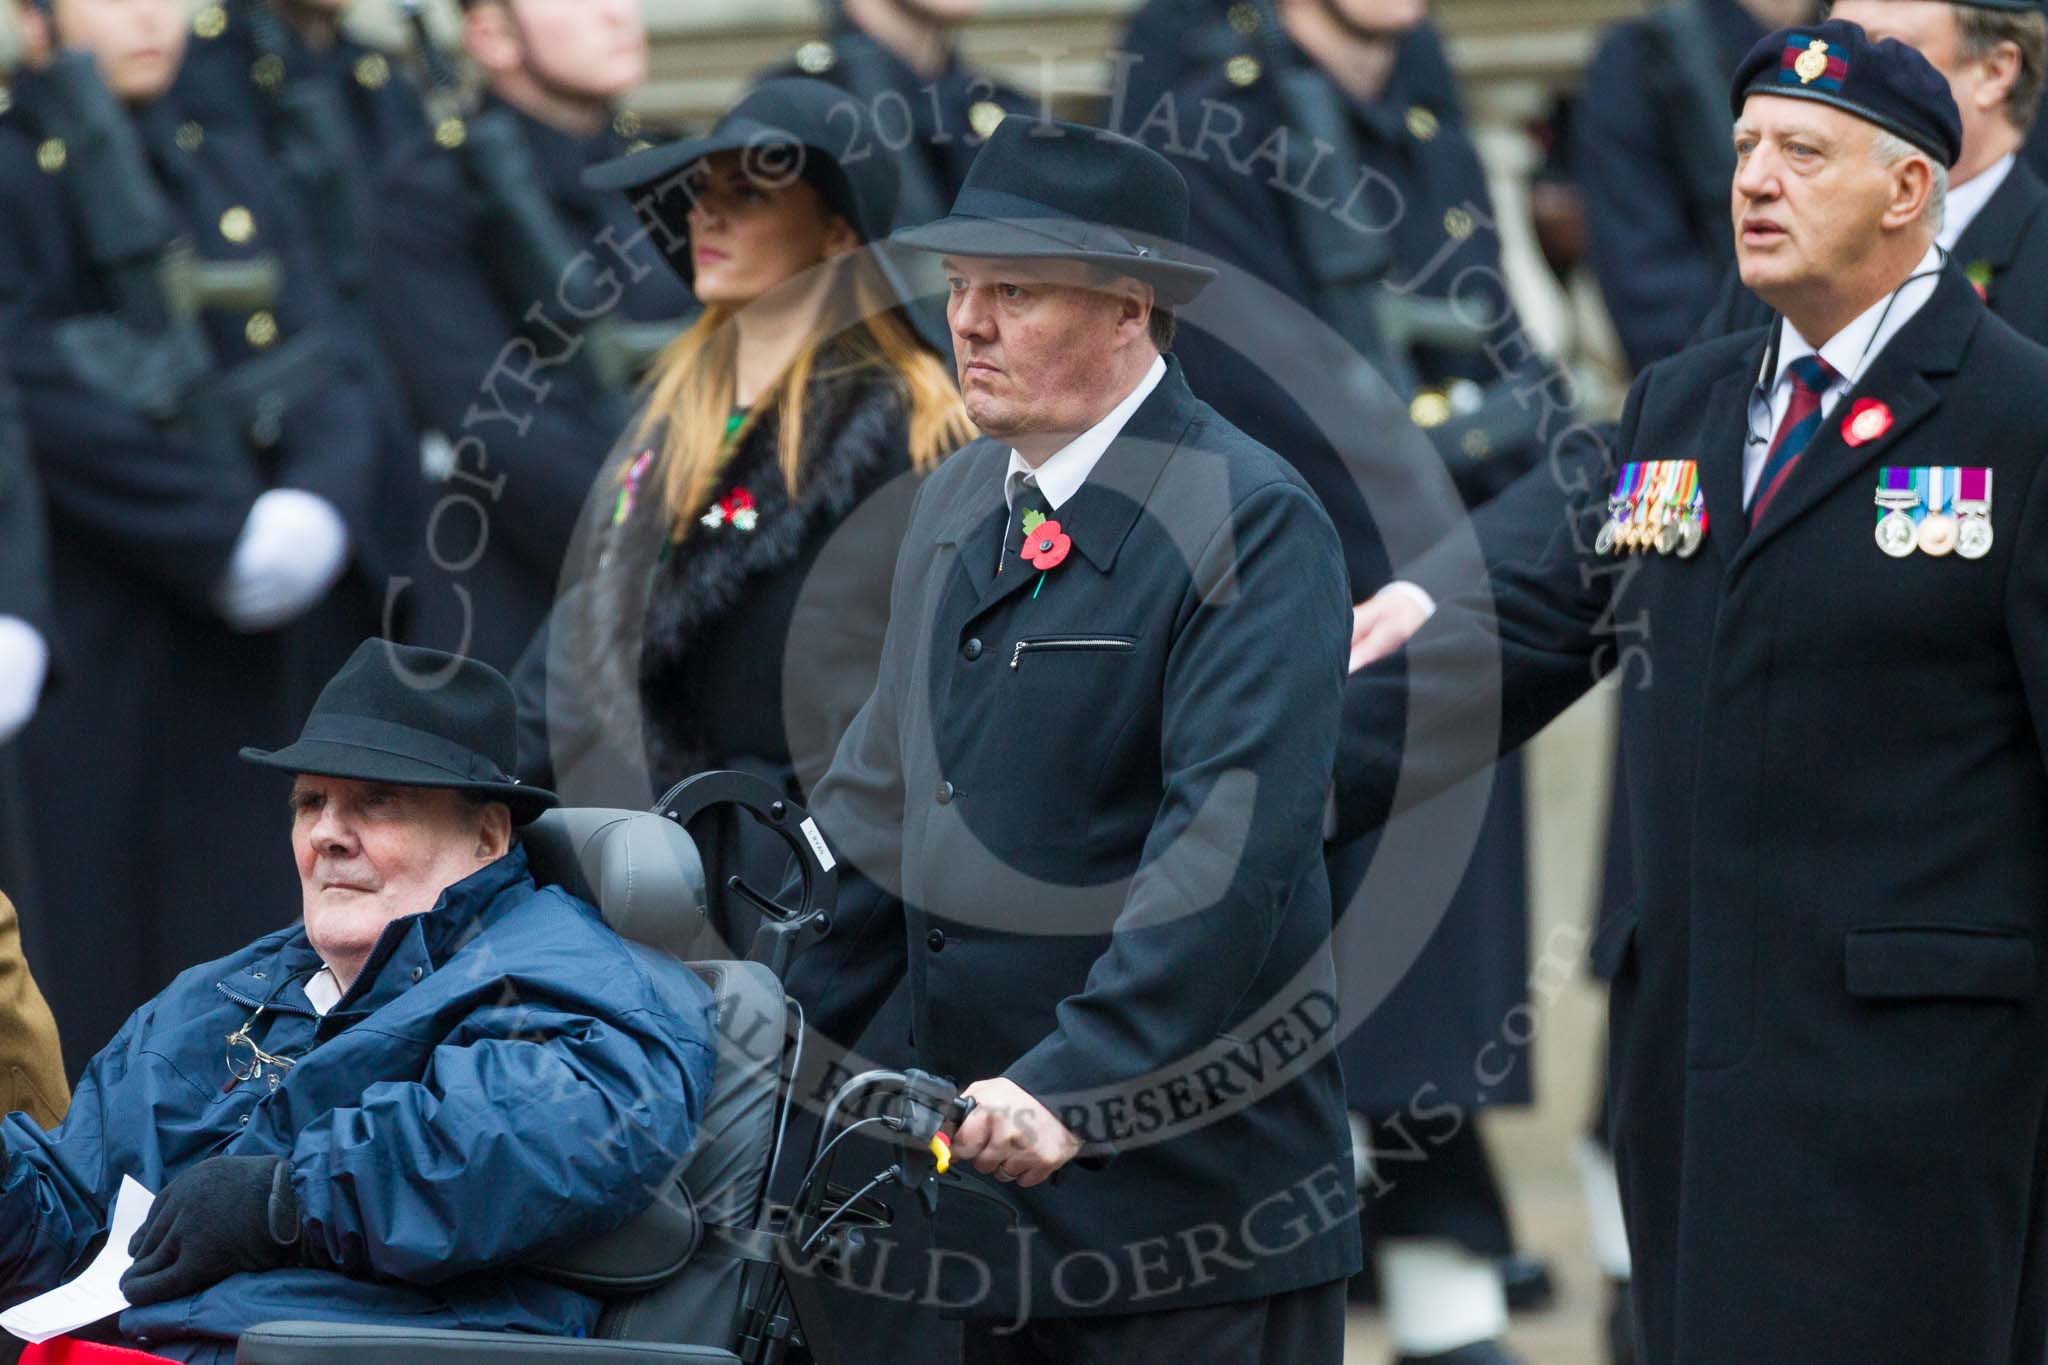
(1447, 1192)
(1302, 1327)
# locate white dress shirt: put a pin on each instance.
(1067, 468)
(1967, 200)
(1850, 353)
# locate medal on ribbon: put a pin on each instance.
(1973, 506)
(1617, 510)
(1898, 497)
(1937, 536)
(1692, 512)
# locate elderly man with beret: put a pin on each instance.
(338, 1118)
(1822, 567)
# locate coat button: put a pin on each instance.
(945, 793)
(971, 650)
(418, 972)
(935, 940)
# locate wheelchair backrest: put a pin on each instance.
(676, 1273)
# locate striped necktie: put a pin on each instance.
(1810, 379)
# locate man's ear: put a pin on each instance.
(491, 37)
(494, 832)
(2001, 68)
(1912, 184)
(1134, 308)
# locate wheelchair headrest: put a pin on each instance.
(641, 871)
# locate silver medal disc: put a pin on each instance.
(1896, 535)
(1973, 538)
(1691, 535)
(1667, 537)
(1604, 542)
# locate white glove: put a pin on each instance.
(292, 548)
(24, 661)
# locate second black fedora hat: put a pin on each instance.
(785, 129)
(1050, 190)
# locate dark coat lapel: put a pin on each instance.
(1932, 344)
(1723, 446)
(1995, 234)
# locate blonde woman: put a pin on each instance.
(728, 597)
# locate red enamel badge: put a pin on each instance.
(1867, 421)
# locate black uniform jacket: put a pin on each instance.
(492, 364)
(159, 691)
(1087, 812)
(1829, 1040)
(24, 543)
(1652, 128)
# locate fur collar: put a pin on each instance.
(646, 612)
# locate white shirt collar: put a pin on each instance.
(1967, 200)
(1851, 350)
(1067, 468)
(323, 992)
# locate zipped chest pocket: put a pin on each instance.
(1071, 644)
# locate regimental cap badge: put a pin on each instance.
(815, 58)
(1811, 62)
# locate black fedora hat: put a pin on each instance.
(785, 129)
(1051, 190)
(414, 718)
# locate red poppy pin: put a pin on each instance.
(735, 508)
(1045, 545)
(1867, 421)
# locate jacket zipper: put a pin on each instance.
(1017, 654)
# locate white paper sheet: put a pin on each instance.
(96, 1293)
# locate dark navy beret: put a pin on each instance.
(1886, 83)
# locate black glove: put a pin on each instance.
(226, 1215)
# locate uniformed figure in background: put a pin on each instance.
(24, 630)
(1653, 161)
(1827, 1012)
(1419, 293)
(203, 454)
(519, 308)
(251, 58)
(924, 103)
(1167, 41)
(331, 111)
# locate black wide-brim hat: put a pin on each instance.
(1885, 83)
(785, 129)
(1042, 189)
(414, 717)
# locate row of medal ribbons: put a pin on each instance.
(1934, 511)
(1656, 505)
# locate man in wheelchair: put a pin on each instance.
(389, 1110)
